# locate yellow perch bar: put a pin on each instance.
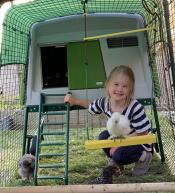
(117, 34)
(134, 140)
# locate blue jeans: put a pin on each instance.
(123, 155)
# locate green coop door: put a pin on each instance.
(85, 65)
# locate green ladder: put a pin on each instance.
(60, 135)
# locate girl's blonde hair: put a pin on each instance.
(126, 70)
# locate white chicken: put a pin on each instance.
(118, 126)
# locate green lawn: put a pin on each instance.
(84, 165)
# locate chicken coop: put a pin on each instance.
(52, 47)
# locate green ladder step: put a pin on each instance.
(54, 107)
(55, 123)
(46, 94)
(50, 177)
(51, 165)
(53, 133)
(51, 154)
(53, 113)
(53, 104)
(53, 143)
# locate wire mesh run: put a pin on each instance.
(15, 33)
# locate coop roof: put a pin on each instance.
(20, 18)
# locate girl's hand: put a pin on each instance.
(70, 99)
(112, 150)
(75, 101)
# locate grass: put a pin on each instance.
(10, 150)
(86, 165)
(9, 103)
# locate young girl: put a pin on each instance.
(119, 98)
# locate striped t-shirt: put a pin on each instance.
(135, 112)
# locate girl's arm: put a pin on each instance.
(75, 101)
(140, 120)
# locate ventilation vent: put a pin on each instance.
(122, 42)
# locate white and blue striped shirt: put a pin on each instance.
(135, 112)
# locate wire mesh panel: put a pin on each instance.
(11, 120)
(15, 44)
(162, 61)
(79, 125)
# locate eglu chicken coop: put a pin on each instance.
(51, 47)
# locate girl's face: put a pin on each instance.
(119, 87)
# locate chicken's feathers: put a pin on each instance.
(26, 166)
(118, 126)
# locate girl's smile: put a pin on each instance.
(119, 88)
